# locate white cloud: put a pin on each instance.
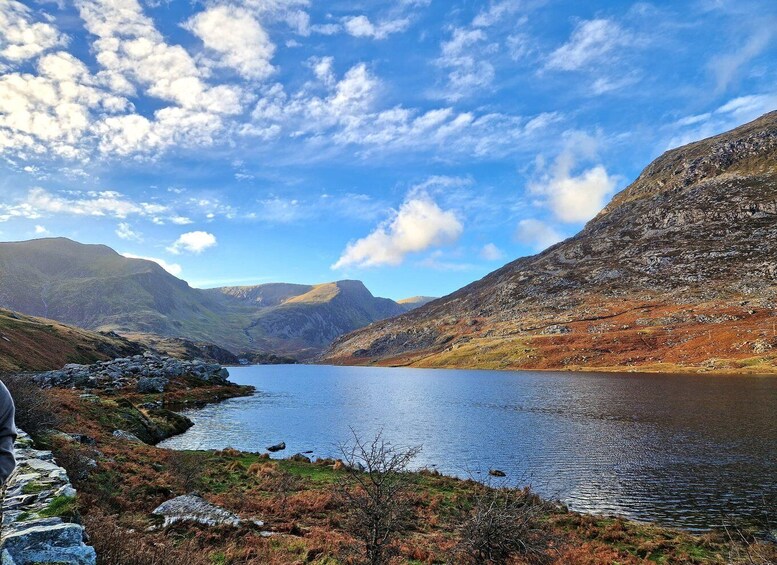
(727, 67)
(589, 42)
(193, 242)
(574, 197)
(237, 38)
(467, 73)
(40, 230)
(172, 268)
(418, 225)
(361, 26)
(735, 112)
(39, 202)
(491, 252)
(125, 231)
(537, 234)
(496, 13)
(21, 38)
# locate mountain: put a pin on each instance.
(302, 320)
(678, 272)
(37, 344)
(415, 302)
(93, 287)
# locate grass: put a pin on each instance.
(61, 506)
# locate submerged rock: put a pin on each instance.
(277, 447)
(497, 473)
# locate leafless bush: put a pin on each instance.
(34, 406)
(374, 486)
(188, 467)
(503, 522)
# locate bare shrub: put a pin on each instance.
(188, 467)
(503, 523)
(374, 485)
(35, 412)
(745, 548)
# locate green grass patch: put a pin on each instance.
(62, 506)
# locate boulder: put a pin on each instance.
(277, 447)
(497, 473)
(149, 385)
(127, 436)
(193, 508)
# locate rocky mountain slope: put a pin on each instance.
(678, 272)
(301, 320)
(93, 287)
(36, 344)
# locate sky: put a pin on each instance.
(415, 145)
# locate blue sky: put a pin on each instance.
(416, 144)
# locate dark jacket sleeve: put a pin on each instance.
(7, 434)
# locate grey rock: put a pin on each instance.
(147, 385)
(127, 436)
(193, 508)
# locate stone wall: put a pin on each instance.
(38, 513)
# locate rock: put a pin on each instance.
(29, 534)
(193, 508)
(148, 385)
(496, 473)
(277, 447)
(299, 457)
(121, 434)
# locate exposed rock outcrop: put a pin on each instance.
(39, 519)
(148, 373)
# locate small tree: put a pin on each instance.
(503, 522)
(188, 467)
(375, 484)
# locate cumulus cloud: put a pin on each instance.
(491, 252)
(22, 38)
(237, 38)
(361, 26)
(418, 225)
(589, 42)
(172, 268)
(125, 231)
(193, 242)
(537, 234)
(575, 197)
(41, 230)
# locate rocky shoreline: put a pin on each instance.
(148, 373)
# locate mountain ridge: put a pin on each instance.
(94, 287)
(688, 241)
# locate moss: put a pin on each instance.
(62, 506)
(33, 488)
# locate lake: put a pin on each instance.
(691, 451)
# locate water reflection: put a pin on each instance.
(689, 451)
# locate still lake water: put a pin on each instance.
(691, 451)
